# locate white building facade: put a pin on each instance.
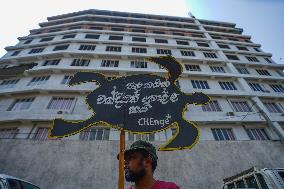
(241, 127)
(245, 84)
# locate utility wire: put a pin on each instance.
(237, 116)
(248, 112)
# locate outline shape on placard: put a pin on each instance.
(176, 123)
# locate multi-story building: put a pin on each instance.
(245, 84)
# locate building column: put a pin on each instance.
(273, 124)
(244, 84)
(232, 68)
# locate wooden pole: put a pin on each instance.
(121, 160)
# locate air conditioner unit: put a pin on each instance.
(230, 113)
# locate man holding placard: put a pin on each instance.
(140, 164)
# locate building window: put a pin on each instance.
(223, 46)
(263, 72)
(216, 37)
(272, 107)
(217, 69)
(69, 36)
(201, 44)
(161, 41)
(96, 133)
(37, 50)
(80, 62)
(158, 32)
(37, 32)
(189, 67)
(199, 84)
(41, 133)
(15, 53)
(227, 85)
(242, 48)
(280, 72)
(233, 39)
(138, 64)
(21, 104)
(185, 26)
(182, 42)
(109, 63)
(113, 48)
(74, 27)
(96, 28)
(145, 137)
(241, 106)
(53, 62)
(46, 39)
(60, 103)
(187, 53)
(232, 57)
(164, 51)
(243, 71)
(38, 80)
(223, 134)
(277, 88)
(115, 37)
(212, 106)
(138, 30)
(268, 60)
(9, 133)
(257, 49)
(139, 39)
(87, 47)
(28, 41)
(139, 50)
(256, 87)
(8, 83)
(252, 59)
(66, 79)
(54, 30)
(60, 47)
(117, 29)
(197, 35)
(92, 36)
(209, 55)
(178, 33)
(114, 28)
(257, 134)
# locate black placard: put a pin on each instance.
(143, 103)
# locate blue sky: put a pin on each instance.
(262, 19)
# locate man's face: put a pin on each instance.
(134, 167)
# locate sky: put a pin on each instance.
(259, 18)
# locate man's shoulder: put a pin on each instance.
(162, 185)
(165, 185)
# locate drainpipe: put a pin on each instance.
(273, 124)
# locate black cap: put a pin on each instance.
(141, 145)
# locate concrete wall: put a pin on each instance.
(92, 164)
